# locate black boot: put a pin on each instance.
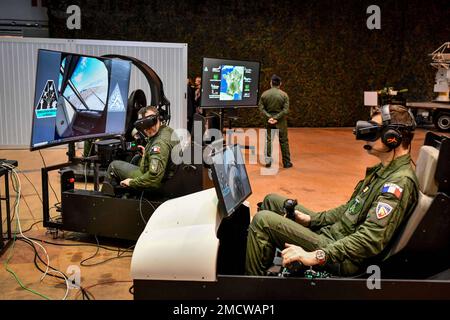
(259, 205)
(287, 165)
(108, 189)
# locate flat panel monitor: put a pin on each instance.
(230, 178)
(78, 97)
(229, 83)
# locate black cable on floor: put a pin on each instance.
(131, 290)
(31, 227)
(77, 245)
(96, 252)
(119, 255)
(37, 256)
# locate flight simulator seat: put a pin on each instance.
(422, 246)
(125, 215)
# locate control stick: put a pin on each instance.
(289, 208)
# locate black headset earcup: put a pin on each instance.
(163, 114)
(392, 138)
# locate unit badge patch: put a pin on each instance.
(392, 188)
(383, 210)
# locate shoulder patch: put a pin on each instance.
(154, 165)
(392, 188)
(155, 149)
(383, 210)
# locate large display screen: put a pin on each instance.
(229, 83)
(230, 178)
(78, 97)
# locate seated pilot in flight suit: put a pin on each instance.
(343, 239)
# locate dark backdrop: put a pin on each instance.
(321, 48)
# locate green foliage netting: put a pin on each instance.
(322, 49)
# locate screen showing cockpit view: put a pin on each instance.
(78, 97)
(230, 178)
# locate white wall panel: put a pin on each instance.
(18, 58)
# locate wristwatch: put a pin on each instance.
(321, 257)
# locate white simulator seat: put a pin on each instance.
(428, 187)
(179, 241)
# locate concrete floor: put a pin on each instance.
(327, 164)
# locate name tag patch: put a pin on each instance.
(355, 206)
(383, 210)
(392, 188)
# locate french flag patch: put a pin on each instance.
(392, 188)
(156, 149)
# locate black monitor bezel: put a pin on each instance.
(221, 204)
(233, 105)
(78, 138)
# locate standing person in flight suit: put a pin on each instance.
(156, 160)
(343, 239)
(274, 104)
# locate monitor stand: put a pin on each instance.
(232, 115)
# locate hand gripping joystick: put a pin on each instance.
(289, 208)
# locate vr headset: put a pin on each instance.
(367, 130)
(390, 134)
(146, 123)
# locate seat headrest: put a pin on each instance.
(426, 170)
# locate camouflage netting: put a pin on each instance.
(322, 49)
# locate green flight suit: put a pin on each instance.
(350, 234)
(155, 164)
(274, 103)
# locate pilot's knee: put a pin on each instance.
(112, 168)
(268, 199)
(112, 164)
(271, 200)
(261, 219)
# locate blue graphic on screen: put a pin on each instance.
(231, 82)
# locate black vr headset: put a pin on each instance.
(390, 133)
(147, 122)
